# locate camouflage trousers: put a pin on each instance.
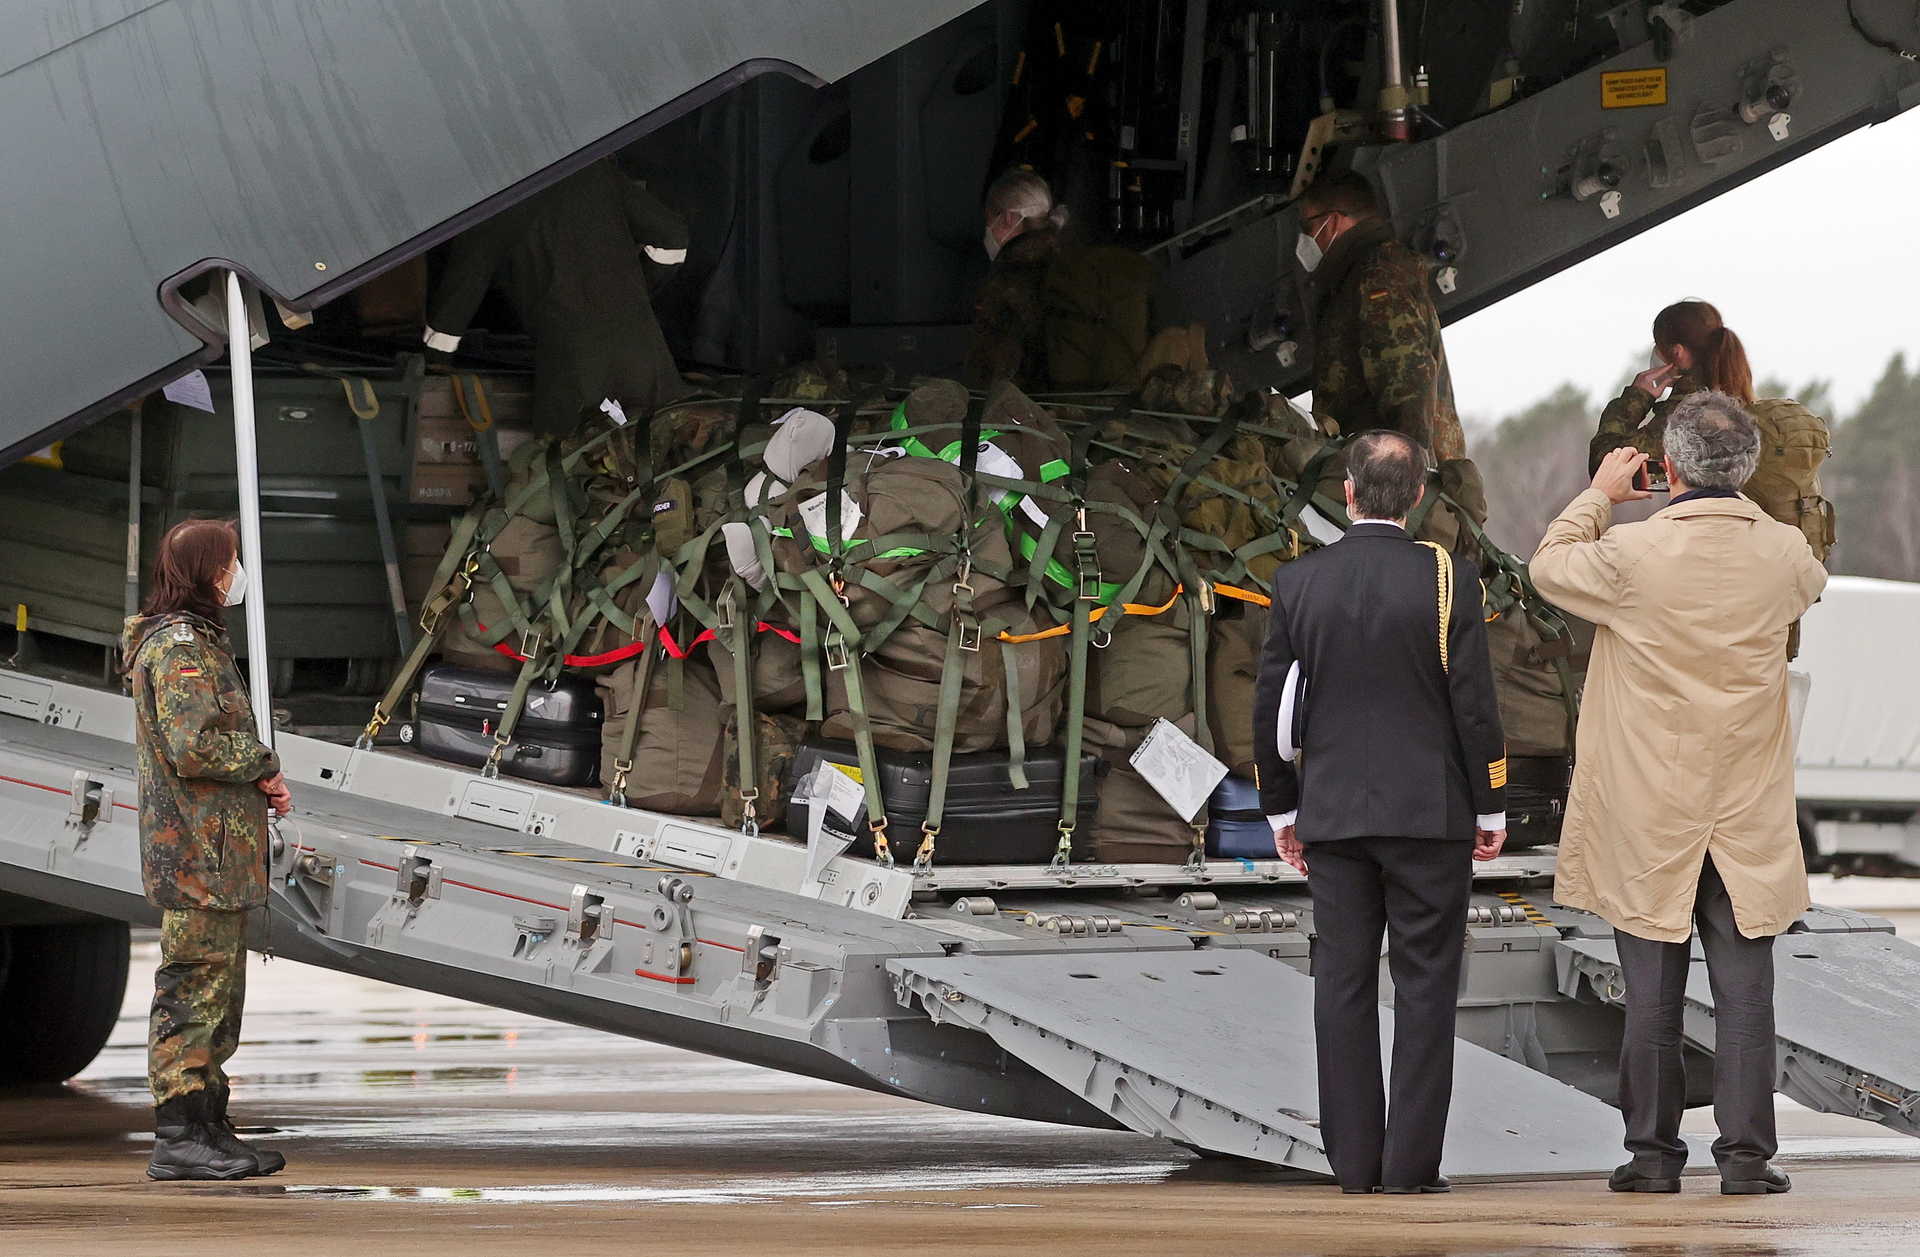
(198, 992)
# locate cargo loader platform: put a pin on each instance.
(1164, 999)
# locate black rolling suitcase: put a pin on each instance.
(1536, 799)
(986, 821)
(557, 740)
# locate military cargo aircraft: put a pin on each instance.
(177, 168)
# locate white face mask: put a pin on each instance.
(993, 244)
(1308, 251)
(237, 587)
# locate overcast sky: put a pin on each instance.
(1816, 265)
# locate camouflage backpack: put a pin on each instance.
(1793, 443)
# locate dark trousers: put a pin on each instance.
(1416, 890)
(1653, 1079)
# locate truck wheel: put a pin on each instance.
(60, 995)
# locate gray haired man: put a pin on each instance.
(1681, 814)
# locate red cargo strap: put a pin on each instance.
(673, 648)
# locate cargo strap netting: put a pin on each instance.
(936, 571)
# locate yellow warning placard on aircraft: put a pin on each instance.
(1630, 89)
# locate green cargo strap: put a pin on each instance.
(630, 736)
(1199, 614)
(560, 490)
(1016, 719)
(746, 730)
(478, 412)
(844, 630)
(963, 635)
(1014, 491)
(1304, 488)
(598, 595)
(946, 717)
(510, 719)
(1417, 517)
(1087, 581)
(1076, 730)
(365, 405)
(451, 581)
(837, 486)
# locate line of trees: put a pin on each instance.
(1534, 462)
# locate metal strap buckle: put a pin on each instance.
(531, 640)
(969, 630)
(1064, 852)
(1197, 858)
(1087, 564)
(492, 766)
(724, 605)
(375, 724)
(836, 652)
(882, 852)
(923, 858)
(1206, 593)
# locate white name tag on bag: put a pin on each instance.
(1179, 769)
(813, 513)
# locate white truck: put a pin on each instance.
(1857, 766)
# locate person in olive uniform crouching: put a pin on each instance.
(206, 783)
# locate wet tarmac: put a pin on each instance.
(419, 1124)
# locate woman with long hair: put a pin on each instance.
(206, 784)
(1694, 350)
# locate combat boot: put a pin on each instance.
(184, 1146)
(227, 1139)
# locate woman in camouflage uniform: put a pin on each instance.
(206, 783)
(1696, 351)
(1009, 326)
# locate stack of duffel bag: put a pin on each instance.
(976, 607)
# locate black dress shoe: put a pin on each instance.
(1434, 1188)
(1628, 1179)
(1766, 1183)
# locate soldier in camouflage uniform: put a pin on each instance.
(1022, 240)
(1378, 360)
(1636, 420)
(206, 784)
(1694, 350)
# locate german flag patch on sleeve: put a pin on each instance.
(187, 670)
(1497, 774)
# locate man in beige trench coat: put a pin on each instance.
(1682, 807)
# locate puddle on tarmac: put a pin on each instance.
(758, 1191)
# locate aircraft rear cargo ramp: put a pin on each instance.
(1163, 999)
(1215, 1049)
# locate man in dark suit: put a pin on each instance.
(1381, 758)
